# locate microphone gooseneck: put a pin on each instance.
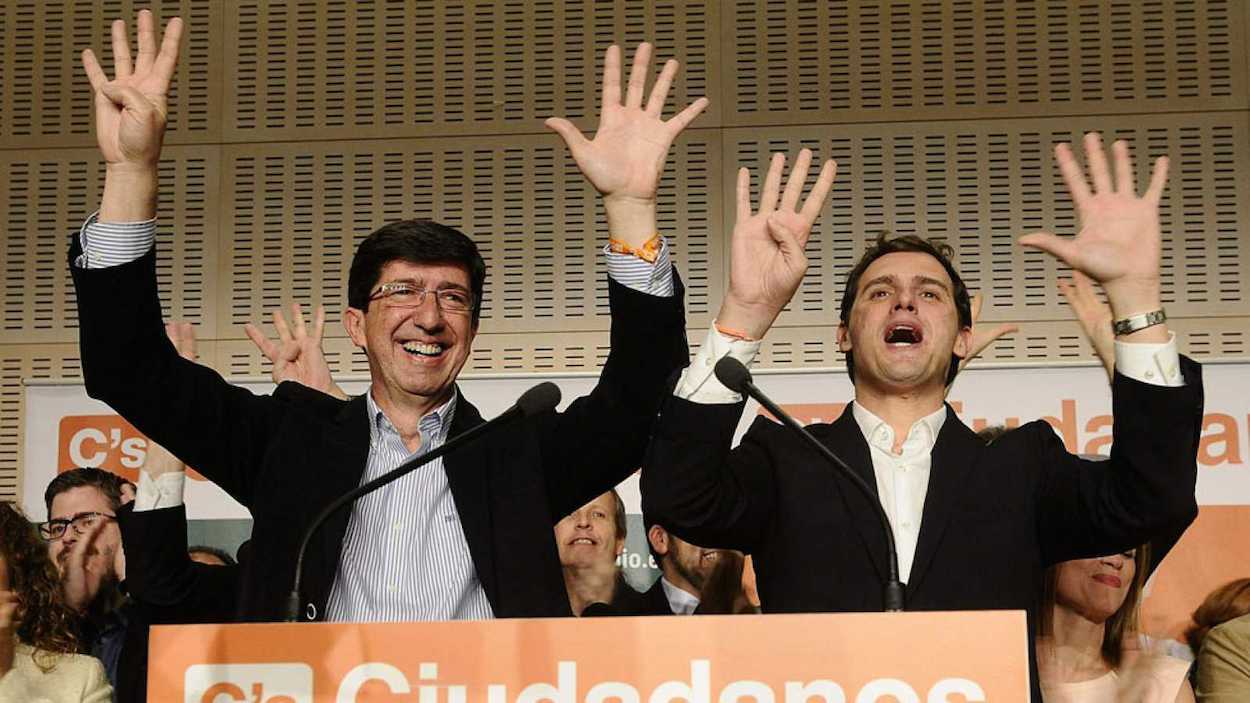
(735, 376)
(539, 399)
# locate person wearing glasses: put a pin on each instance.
(465, 537)
(85, 544)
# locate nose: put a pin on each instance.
(1115, 561)
(428, 315)
(905, 299)
(581, 518)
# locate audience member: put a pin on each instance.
(1089, 648)
(693, 579)
(974, 524)
(38, 638)
(589, 541)
(474, 529)
(1220, 636)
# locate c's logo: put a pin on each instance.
(249, 683)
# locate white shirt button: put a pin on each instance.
(398, 526)
(1150, 374)
(390, 588)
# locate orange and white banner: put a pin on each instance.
(862, 657)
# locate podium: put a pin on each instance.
(932, 657)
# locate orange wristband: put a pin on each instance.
(736, 334)
(648, 252)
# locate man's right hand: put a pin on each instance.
(297, 355)
(130, 116)
(767, 260)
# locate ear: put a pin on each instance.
(354, 323)
(658, 537)
(844, 338)
(620, 546)
(963, 343)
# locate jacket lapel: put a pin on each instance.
(954, 454)
(846, 440)
(468, 476)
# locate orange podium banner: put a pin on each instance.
(948, 657)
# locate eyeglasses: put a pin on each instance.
(82, 523)
(402, 294)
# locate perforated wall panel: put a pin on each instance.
(19, 362)
(980, 185)
(340, 69)
(857, 60)
(45, 96)
(44, 198)
(298, 211)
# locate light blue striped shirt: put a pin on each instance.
(405, 556)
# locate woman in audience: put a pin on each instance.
(37, 640)
(1220, 636)
(1088, 645)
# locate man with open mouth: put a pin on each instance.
(975, 525)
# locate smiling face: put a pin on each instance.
(415, 352)
(685, 565)
(104, 538)
(1095, 588)
(904, 324)
(588, 536)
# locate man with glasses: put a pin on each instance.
(86, 546)
(469, 536)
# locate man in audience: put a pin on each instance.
(86, 545)
(974, 524)
(589, 540)
(689, 575)
(469, 536)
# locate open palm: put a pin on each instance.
(627, 155)
(1119, 240)
(131, 108)
(767, 260)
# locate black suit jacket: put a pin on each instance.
(286, 456)
(652, 601)
(995, 516)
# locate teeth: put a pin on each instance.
(423, 349)
(582, 540)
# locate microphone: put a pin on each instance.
(539, 399)
(735, 376)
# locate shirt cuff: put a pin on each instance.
(698, 382)
(1156, 364)
(651, 278)
(165, 491)
(106, 244)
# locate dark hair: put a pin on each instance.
(220, 554)
(883, 245)
(1122, 623)
(46, 623)
(418, 242)
(108, 483)
(1232, 600)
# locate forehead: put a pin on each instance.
(80, 499)
(904, 266)
(605, 502)
(430, 274)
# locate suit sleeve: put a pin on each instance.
(127, 361)
(161, 576)
(600, 438)
(1224, 663)
(698, 487)
(1146, 490)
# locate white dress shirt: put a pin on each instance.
(679, 601)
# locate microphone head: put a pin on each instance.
(733, 374)
(539, 399)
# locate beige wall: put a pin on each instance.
(299, 126)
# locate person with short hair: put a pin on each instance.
(589, 541)
(974, 524)
(38, 634)
(468, 536)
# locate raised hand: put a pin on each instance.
(1119, 243)
(982, 336)
(297, 355)
(1094, 316)
(767, 261)
(130, 115)
(83, 569)
(626, 157)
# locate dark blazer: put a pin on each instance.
(286, 457)
(994, 516)
(652, 601)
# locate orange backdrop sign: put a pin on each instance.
(103, 441)
(864, 657)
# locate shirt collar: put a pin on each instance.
(679, 601)
(434, 425)
(920, 438)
